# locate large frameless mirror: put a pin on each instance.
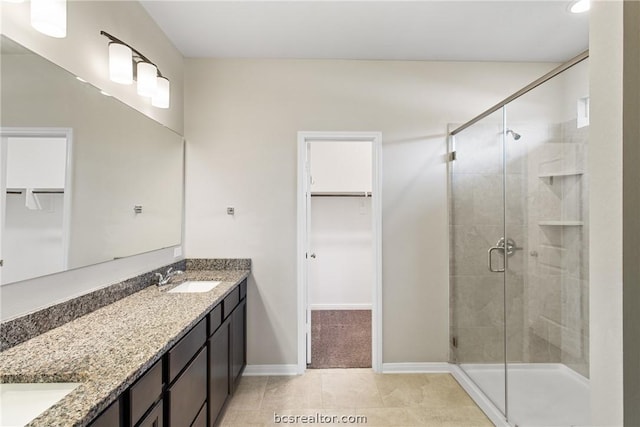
(85, 178)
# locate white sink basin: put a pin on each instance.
(21, 403)
(194, 286)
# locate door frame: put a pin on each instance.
(44, 132)
(302, 238)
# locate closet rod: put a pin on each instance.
(37, 192)
(340, 194)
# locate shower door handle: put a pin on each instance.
(489, 256)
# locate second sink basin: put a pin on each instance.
(194, 286)
(21, 403)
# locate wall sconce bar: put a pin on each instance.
(127, 64)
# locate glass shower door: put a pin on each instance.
(477, 221)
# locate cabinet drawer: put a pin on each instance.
(154, 419)
(215, 319)
(145, 392)
(186, 348)
(243, 289)
(230, 301)
(109, 418)
(189, 392)
(201, 419)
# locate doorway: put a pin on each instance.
(339, 242)
(35, 201)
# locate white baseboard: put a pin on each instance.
(414, 368)
(340, 306)
(263, 370)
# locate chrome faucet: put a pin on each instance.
(163, 280)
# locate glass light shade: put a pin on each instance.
(162, 95)
(580, 6)
(50, 17)
(147, 79)
(120, 63)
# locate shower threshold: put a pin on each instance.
(540, 394)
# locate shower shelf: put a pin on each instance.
(554, 174)
(562, 223)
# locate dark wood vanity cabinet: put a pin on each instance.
(190, 385)
(110, 417)
(238, 341)
(227, 350)
(219, 384)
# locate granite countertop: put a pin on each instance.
(108, 349)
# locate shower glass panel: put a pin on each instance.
(547, 272)
(476, 225)
(519, 281)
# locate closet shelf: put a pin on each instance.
(562, 223)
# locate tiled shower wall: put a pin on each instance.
(557, 285)
(546, 290)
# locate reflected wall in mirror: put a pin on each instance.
(84, 178)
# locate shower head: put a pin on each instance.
(516, 136)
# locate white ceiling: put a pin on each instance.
(513, 30)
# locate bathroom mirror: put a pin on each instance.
(85, 178)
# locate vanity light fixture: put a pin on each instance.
(50, 17)
(580, 6)
(127, 64)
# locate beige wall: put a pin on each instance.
(241, 120)
(605, 210)
(84, 51)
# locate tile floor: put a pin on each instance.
(384, 399)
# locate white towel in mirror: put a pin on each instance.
(31, 200)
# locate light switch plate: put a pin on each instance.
(177, 251)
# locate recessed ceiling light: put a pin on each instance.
(580, 6)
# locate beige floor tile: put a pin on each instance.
(398, 400)
(350, 390)
(293, 392)
(386, 417)
(415, 390)
(249, 394)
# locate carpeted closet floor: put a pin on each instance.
(340, 339)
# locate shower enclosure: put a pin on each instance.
(518, 222)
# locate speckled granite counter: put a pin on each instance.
(108, 349)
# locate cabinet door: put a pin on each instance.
(238, 340)
(109, 418)
(218, 370)
(154, 419)
(189, 392)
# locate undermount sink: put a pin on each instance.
(194, 286)
(21, 403)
